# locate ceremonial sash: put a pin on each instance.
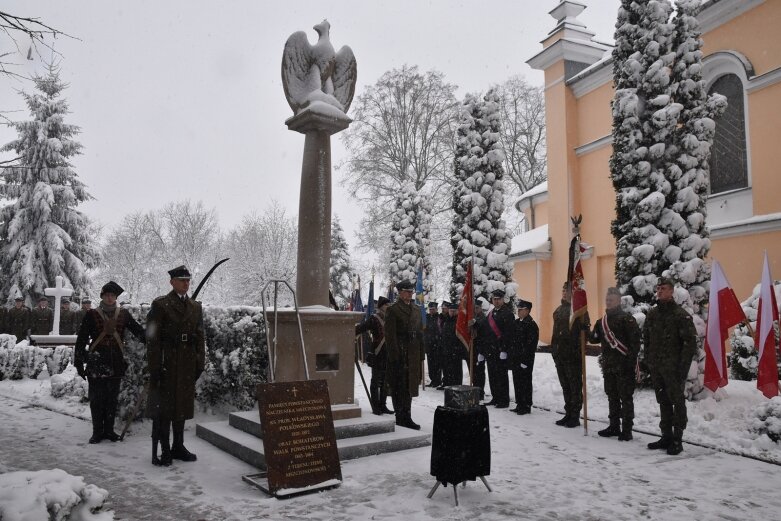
(109, 328)
(494, 326)
(614, 342)
(382, 342)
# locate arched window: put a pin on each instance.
(728, 162)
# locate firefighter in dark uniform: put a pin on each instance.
(479, 345)
(41, 318)
(432, 337)
(500, 325)
(525, 337)
(100, 346)
(19, 320)
(453, 350)
(404, 340)
(565, 348)
(176, 356)
(377, 358)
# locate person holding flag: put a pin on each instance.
(565, 349)
(767, 314)
(670, 343)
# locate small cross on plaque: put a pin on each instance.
(295, 392)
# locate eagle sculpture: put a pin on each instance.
(316, 72)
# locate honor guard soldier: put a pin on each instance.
(377, 358)
(19, 320)
(480, 337)
(433, 340)
(67, 318)
(500, 325)
(176, 357)
(565, 348)
(525, 337)
(102, 330)
(42, 318)
(453, 351)
(404, 339)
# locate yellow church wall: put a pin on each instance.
(764, 117)
(595, 119)
(742, 257)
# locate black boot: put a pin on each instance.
(108, 427)
(375, 399)
(572, 422)
(626, 432)
(676, 447)
(178, 451)
(164, 434)
(96, 436)
(383, 400)
(612, 430)
(155, 460)
(96, 410)
(563, 421)
(662, 443)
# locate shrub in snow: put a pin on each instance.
(50, 494)
(7, 341)
(743, 355)
(767, 419)
(69, 383)
(24, 361)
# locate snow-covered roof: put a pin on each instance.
(533, 241)
(541, 188)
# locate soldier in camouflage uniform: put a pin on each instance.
(19, 320)
(404, 340)
(565, 348)
(41, 318)
(670, 343)
(619, 335)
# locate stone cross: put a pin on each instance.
(58, 291)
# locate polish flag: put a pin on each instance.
(767, 372)
(724, 311)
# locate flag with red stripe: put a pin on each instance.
(765, 336)
(724, 312)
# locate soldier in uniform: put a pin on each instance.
(453, 350)
(565, 348)
(102, 330)
(525, 337)
(176, 357)
(3, 320)
(42, 318)
(377, 358)
(19, 320)
(432, 336)
(499, 332)
(619, 335)
(404, 340)
(670, 342)
(480, 336)
(79, 315)
(67, 318)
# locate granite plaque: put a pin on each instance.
(298, 437)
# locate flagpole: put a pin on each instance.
(472, 340)
(582, 335)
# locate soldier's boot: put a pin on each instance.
(178, 451)
(164, 433)
(614, 429)
(626, 432)
(383, 402)
(155, 459)
(375, 399)
(676, 447)
(572, 422)
(97, 421)
(108, 427)
(563, 421)
(662, 443)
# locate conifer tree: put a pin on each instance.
(42, 234)
(410, 236)
(341, 270)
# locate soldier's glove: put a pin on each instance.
(480, 358)
(80, 371)
(503, 355)
(524, 366)
(370, 359)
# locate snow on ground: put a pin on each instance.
(539, 470)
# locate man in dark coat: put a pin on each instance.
(42, 318)
(377, 358)
(176, 357)
(79, 315)
(404, 340)
(100, 346)
(68, 324)
(525, 337)
(619, 335)
(670, 342)
(480, 336)
(432, 335)
(19, 320)
(500, 328)
(453, 350)
(565, 348)
(3, 320)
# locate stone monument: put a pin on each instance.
(54, 337)
(319, 84)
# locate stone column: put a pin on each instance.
(317, 122)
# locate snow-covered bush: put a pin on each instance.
(743, 354)
(69, 383)
(23, 361)
(7, 341)
(767, 419)
(410, 236)
(50, 494)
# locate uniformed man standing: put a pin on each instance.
(19, 320)
(480, 336)
(176, 357)
(670, 342)
(525, 337)
(377, 358)
(565, 348)
(404, 339)
(500, 325)
(3, 320)
(79, 315)
(432, 336)
(42, 318)
(619, 335)
(100, 346)
(67, 318)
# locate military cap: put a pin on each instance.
(180, 272)
(42, 298)
(86, 301)
(405, 285)
(382, 301)
(524, 304)
(17, 299)
(432, 305)
(65, 301)
(446, 304)
(111, 287)
(497, 293)
(455, 304)
(665, 281)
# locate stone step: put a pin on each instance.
(249, 422)
(249, 448)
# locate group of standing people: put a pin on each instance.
(22, 322)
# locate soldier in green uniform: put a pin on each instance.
(176, 357)
(19, 320)
(565, 348)
(3, 320)
(404, 341)
(619, 335)
(68, 324)
(42, 318)
(377, 357)
(102, 330)
(670, 342)
(79, 315)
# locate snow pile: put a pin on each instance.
(69, 384)
(50, 494)
(743, 354)
(7, 341)
(767, 420)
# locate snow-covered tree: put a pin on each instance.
(478, 200)
(341, 271)
(42, 234)
(410, 236)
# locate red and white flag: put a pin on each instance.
(767, 371)
(724, 311)
(577, 282)
(466, 311)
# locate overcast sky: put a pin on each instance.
(183, 99)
